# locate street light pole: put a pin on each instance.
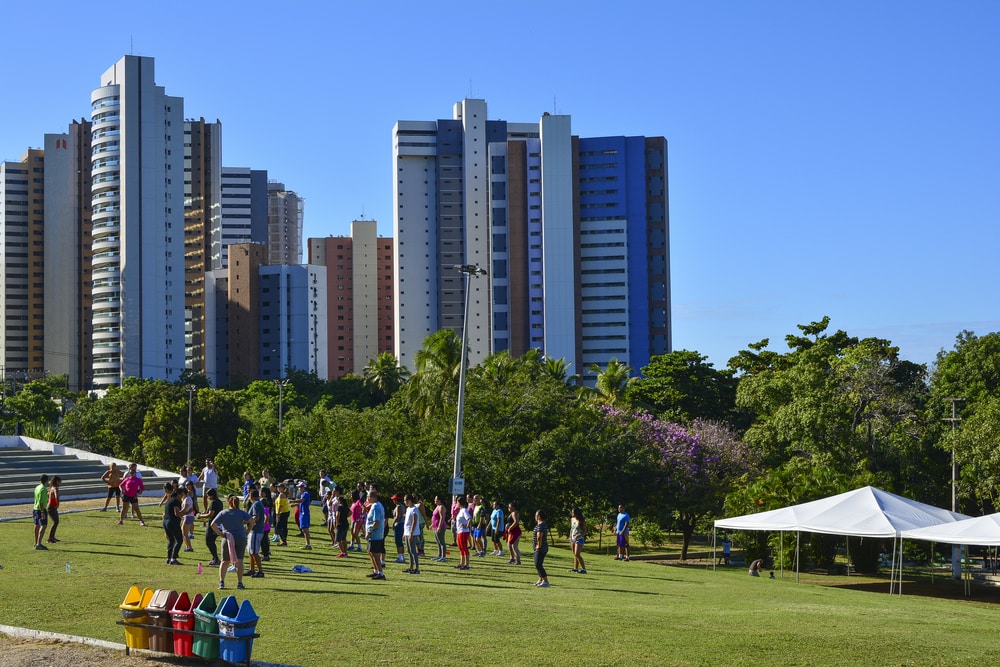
(281, 386)
(190, 390)
(469, 270)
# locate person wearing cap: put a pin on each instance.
(398, 516)
(303, 502)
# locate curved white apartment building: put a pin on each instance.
(137, 203)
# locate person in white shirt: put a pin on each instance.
(209, 479)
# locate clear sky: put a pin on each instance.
(826, 158)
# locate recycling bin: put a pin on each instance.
(182, 617)
(158, 611)
(205, 621)
(236, 621)
(134, 611)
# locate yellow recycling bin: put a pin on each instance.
(134, 611)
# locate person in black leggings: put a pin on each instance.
(214, 507)
(172, 515)
(541, 535)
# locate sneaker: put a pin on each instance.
(41, 547)
(119, 523)
(379, 577)
(372, 575)
(342, 554)
(574, 570)
(626, 559)
(306, 546)
(259, 574)
(222, 585)
(618, 557)
(51, 540)
(544, 584)
(581, 572)
(266, 559)
(414, 571)
(400, 559)
(142, 523)
(189, 549)
(232, 568)
(215, 563)
(240, 587)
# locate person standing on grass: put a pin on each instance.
(40, 512)
(375, 535)
(113, 477)
(131, 487)
(479, 523)
(303, 502)
(541, 543)
(341, 521)
(53, 507)
(231, 523)
(497, 528)
(398, 515)
(463, 533)
(411, 531)
(282, 509)
(187, 511)
(577, 536)
(256, 536)
(173, 514)
(357, 510)
(268, 502)
(214, 507)
(439, 526)
(513, 534)
(209, 478)
(623, 523)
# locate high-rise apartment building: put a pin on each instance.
(359, 291)
(572, 231)
(68, 280)
(138, 226)
(285, 212)
(292, 320)
(22, 217)
(244, 208)
(202, 236)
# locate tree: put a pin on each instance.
(435, 383)
(612, 381)
(683, 386)
(384, 376)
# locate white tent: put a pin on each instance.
(981, 531)
(864, 512)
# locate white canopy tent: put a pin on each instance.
(980, 530)
(864, 512)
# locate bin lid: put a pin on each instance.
(227, 608)
(243, 615)
(182, 604)
(136, 599)
(163, 600)
(207, 605)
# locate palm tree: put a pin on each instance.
(384, 376)
(558, 370)
(438, 365)
(612, 381)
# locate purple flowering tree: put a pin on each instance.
(695, 466)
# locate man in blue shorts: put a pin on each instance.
(304, 501)
(375, 535)
(40, 512)
(622, 525)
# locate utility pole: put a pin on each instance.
(956, 550)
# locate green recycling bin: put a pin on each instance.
(134, 611)
(205, 621)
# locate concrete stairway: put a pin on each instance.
(21, 468)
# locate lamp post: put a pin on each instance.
(469, 270)
(191, 389)
(281, 386)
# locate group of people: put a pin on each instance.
(245, 522)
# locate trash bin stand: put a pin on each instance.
(194, 633)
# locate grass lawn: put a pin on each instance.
(638, 613)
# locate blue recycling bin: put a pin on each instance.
(236, 621)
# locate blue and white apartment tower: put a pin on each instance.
(138, 226)
(574, 233)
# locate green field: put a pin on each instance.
(638, 613)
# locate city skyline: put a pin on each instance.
(824, 160)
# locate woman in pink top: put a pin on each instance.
(439, 525)
(131, 487)
(357, 509)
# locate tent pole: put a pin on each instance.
(797, 561)
(848, 555)
(714, 559)
(892, 567)
(932, 563)
(781, 547)
(901, 565)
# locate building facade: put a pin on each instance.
(573, 232)
(359, 291)
(137, 202)
(285, 213)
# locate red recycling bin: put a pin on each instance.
(182, 617)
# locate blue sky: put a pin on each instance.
(838, 158)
